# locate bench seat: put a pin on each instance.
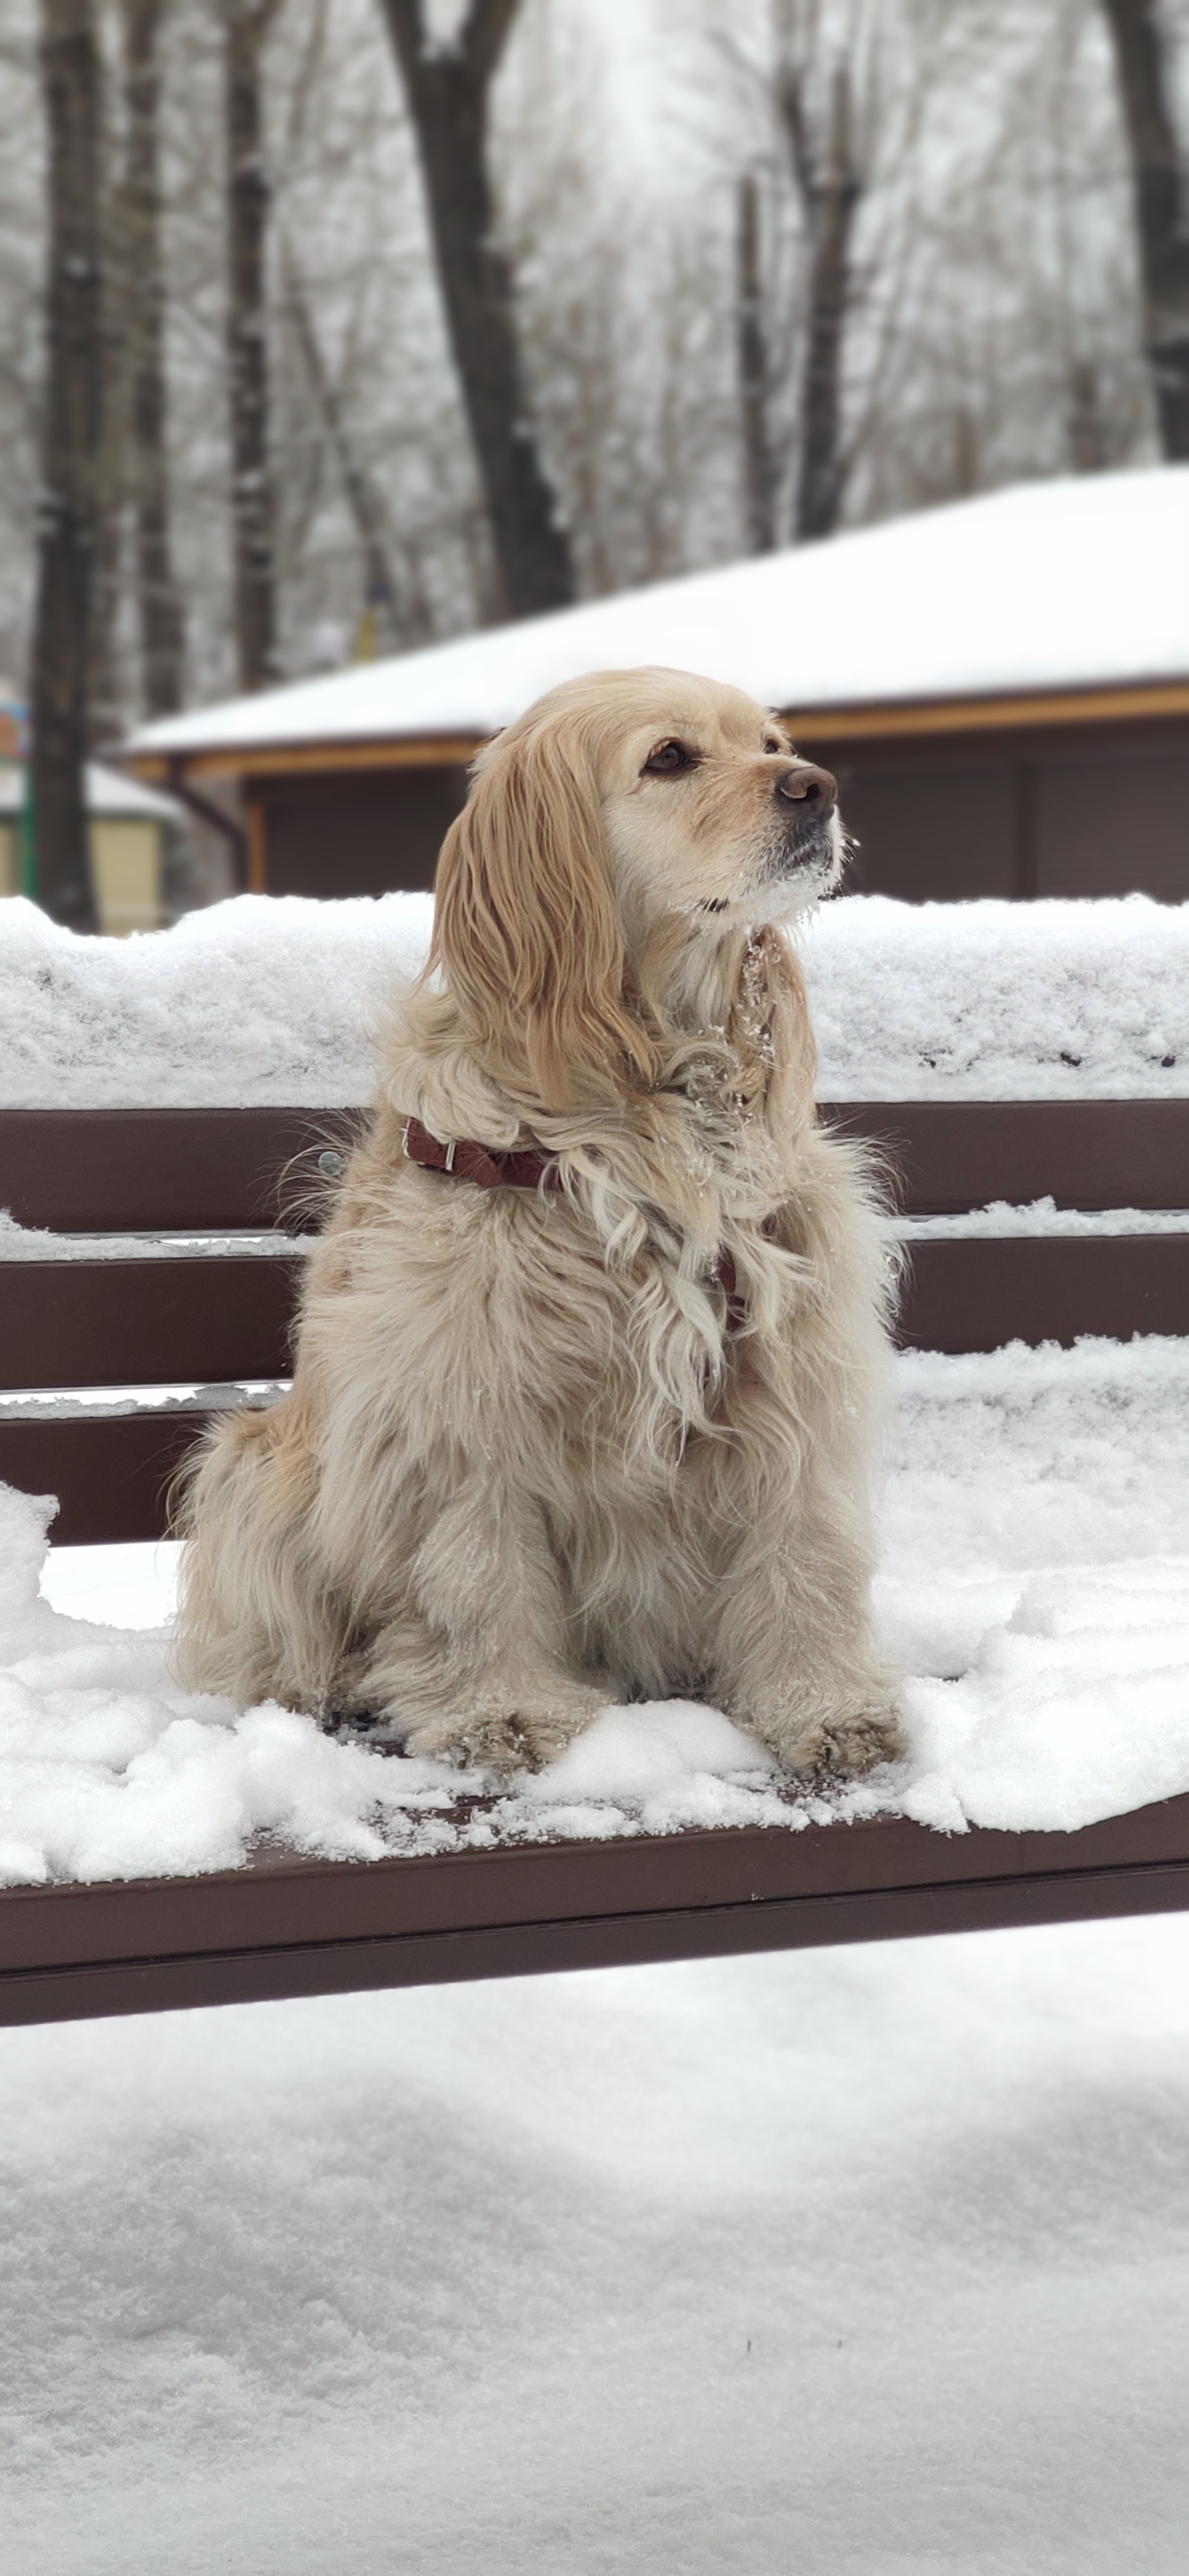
(111, 1365)
(283, 1925)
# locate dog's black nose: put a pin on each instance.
(812, 789)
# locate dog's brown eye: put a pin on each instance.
(669, 759)
(771, 743)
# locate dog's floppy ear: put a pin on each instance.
(526, 929)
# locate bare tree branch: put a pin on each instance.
(379, 580)
(406, 26)
(448, 95)
(485, 32)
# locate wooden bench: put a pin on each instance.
(204, 1324)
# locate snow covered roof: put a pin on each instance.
(107, 794)
(1066, 584)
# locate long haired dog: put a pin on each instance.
(593, 1423)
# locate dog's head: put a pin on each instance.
(706, 806)
(622, 816)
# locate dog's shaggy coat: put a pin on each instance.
(549, 1450)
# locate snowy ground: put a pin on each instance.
(863, 2263)
(1034, 1588)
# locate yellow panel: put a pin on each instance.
(126, 860)
(9, 868)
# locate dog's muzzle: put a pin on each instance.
(806, 800)
(804, 836)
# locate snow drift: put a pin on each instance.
(281, 1000)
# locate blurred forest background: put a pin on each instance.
(374, 320)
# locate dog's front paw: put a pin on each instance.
(845, 1747)
(837, 1742)
(500, 1741)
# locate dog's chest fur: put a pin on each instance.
(605, 1331)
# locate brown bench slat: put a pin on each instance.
(958, 1154)
(110, 1471)
(174, 1984)
(136, 1323)
(284, 1926)
(133, 1170)
(979, 1291)
(143, 1323)
(972, 1294)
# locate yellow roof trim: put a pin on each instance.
(870, 722)
(978, 715)
(281, 760)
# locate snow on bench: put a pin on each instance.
(157, 1849)
(160, 1849)
(266, 1001)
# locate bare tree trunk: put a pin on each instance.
(106, 711)
(71, 429)
(159, 608)
(379, 580)
(755, 371)
(448, 89)
(245, 25)
(1161, 190)
(830, 190)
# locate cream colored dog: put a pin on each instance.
(553, 1446)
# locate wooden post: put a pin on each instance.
(257, 846)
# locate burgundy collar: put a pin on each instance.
(470, 1162)
(531, 1171)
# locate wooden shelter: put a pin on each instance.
(1000, 685)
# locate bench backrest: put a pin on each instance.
(111, 1359)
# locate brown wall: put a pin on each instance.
(356, 832)
(1073, 810)
(1076, 810)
